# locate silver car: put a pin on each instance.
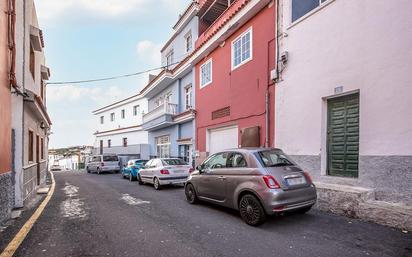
(165, 171)
(256, 181)
(103, 163)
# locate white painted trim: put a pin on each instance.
(304, 17)
(211, 73)
(232, 57)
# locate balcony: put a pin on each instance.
(159, 117)
(214, 15)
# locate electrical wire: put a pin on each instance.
(110, 78)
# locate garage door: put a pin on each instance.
(223, 138)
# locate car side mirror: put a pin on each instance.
(199, 168)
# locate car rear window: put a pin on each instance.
(110, 158)
(140, 163)
(174, 162)
(274, 158)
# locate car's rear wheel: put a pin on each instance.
(304, 210)
(87, 169)
(190, 192)
(98, 171)
(156, 184)
(139, 179)
(251, 210)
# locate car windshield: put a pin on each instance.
(174, 162)
(110, 158)
(274, 158)
(140, 163)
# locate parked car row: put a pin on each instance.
(255, 181)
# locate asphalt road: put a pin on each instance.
(104, 215)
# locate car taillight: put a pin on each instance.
(308, 177)
(271, 182)
(191, 170)
(102, 163)
(164, 172)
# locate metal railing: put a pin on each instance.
(165, 108)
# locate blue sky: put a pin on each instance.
(87, 39)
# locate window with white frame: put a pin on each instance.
(188, 97)
(136, 110)
(101, 119)
(123, 114)
(242, 49)
(206, 73)
(159, 101)
(188, 41)
(302, 7)
(169, 58)
(112, 116)
(163, 146)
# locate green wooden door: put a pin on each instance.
(343, 136)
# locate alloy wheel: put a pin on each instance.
(190, 194)
(251, 210)
(156, 184)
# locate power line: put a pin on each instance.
(109, 78)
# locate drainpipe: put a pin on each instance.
(267, 102)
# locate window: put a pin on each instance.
(273, 158)
(110, 158)
(236, 160)
(136, 110)
(125, 142)
(112, 116)
(169, 58)
(42, 90)
(242, 49)
(188, 97)
(168, 162)
(168, 98)
(32, 62)
(101, 147)
(109, 143)
(189, 44)
(101, 119)
(163, 146)
(31, 142)
(159, 101)
(206, 74)
(302, 7)
(217, 161)
(122, 114)
(42, 148)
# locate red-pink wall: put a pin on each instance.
(244, 88)
(5, 96)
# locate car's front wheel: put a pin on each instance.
(98, 171)
(251, 210)
(139, 179)
(190, 192)
(156, 184)
(87, 169)
(131, 178)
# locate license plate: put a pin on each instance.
(296, 181)
(179, 171)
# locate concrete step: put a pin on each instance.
(359, 202)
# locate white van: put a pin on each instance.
(103, 163)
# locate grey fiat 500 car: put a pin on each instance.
(256, 181)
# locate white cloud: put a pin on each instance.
(149, 52)
(73, 93)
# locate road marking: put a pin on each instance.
(72, 207)
(21, 235)
(130, 200)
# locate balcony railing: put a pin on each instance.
(165, 108)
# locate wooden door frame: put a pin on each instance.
(38, 158)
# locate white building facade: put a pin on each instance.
(343, 97)
(119, 131)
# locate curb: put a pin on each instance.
(23, 232)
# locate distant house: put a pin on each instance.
(119, 129)
(169, 120)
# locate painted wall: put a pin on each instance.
(128, 121)
(5, 96)
(178, 44)
(135, 137)
(370, 52)
(244, 88)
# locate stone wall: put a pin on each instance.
(30, 179)
(7, 195)
(389, 176)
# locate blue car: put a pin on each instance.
(132, 169)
